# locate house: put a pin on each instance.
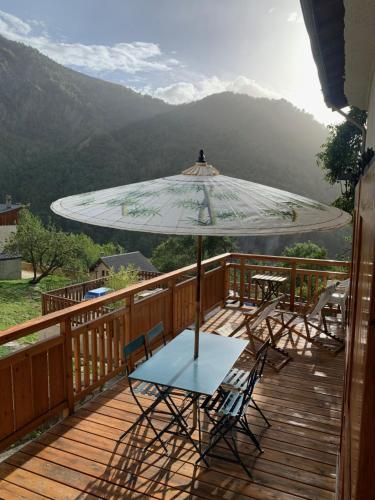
(10, 266)
(135, 259)
(343, 45)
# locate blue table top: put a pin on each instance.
(174, 366)
(97, 292)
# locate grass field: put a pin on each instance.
(20, 301)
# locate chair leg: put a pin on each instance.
(260, 411)
(238, 456)
(249, 432)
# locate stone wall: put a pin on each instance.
(10, 269)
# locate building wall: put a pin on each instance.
(99, 270)
(370, 142)
(10, 269)
(5, 232)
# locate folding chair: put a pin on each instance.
(312, 320)
(227, 411)
(143, 389)
(340, 296)
(252, 322)
(153, 336)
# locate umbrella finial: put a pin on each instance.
(201, 157)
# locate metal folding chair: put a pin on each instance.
(227, 410)
(143, 389)
(153, 336)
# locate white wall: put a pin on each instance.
(5, 232)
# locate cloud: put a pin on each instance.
(183, 92)
(127, 57)
(294, 17)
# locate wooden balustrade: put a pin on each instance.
(302, 284)
(85, 351)
(53, 300)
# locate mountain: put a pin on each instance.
(63, 133)
(44, 104)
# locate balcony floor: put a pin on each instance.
(80, 458)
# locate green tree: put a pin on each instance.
(306, 250)
(88, 251)
(46, 248)
(340, 155)
(180, 251)
(123, 278)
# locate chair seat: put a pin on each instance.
(231, 405)
(146, 389)
(236, 379)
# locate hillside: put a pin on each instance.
(44, 105)
(63, 133)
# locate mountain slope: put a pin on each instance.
(43, 101)
(62, 133)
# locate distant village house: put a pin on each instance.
(104, 265)
(10, 266)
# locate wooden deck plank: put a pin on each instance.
(81, 457)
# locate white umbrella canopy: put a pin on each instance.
(200, 201)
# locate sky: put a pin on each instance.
(178, 50)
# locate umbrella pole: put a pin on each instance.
(198, 296)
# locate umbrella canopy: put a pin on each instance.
(201, 202)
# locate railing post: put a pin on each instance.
(129, 302)
(66, 331)
(242, 280)
(293, 277)
(203, 295)
(173, 305)
(223, 264)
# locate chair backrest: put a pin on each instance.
(322, 301)
(265, 310)
(343, 286)
(255, 375)
(134, 345)
(155, 333)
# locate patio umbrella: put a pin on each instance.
(202, 202)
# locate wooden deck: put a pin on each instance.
(80, 457)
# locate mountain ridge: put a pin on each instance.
(67, 142)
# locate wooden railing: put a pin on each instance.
(305, 277)
(53, 300)
(83, 341)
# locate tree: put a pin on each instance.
(340, 157)
(180, 251)
(46, 248)
(89, 252)
(307, 250)
(123, 278)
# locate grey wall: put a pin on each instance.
(10, 269)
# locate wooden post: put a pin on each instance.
(293, 276)
(173, 305)
(223, 264)
(66, 331)
(242, 281)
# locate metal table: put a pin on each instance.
(269, 284)
(173, 366)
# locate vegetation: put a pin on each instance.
(123, 278)
(340, 157)
(20, 301)
(307, 250)
(180, 251)
(48, 249)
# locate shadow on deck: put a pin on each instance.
(80, 457)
